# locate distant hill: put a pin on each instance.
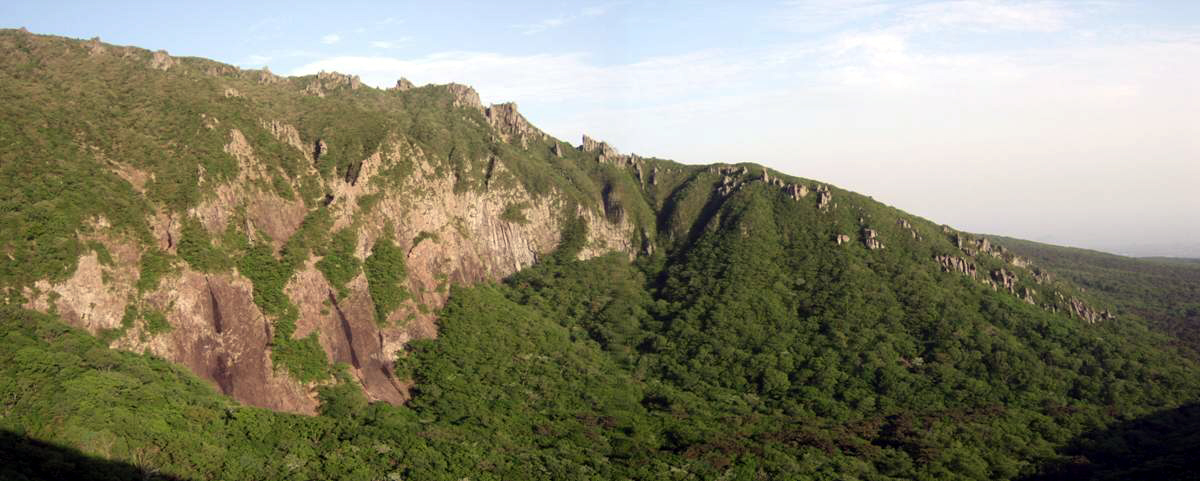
(1163, 290)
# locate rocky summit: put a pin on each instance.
(217, 273)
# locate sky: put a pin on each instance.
(1070, 122)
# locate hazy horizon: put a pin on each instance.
(1072, 123)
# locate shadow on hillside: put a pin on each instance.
(29, 459)
(1164, 445)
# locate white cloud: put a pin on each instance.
(331, 39)
(1028, 141)
(824, 15)
(927, 16)
(989, 15)
(559, 21)
(390, 44)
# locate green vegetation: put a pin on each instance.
(515, 213)
(102, 254)
(748, 345)
(386, 273)
(423, 236)
(339, 264)
(303, 358)
(197, 249)
(1165, 292)
(156, 321)
(154, 265)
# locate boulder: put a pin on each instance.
(160, 60)
(403, 85)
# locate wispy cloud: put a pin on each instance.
(989, 15)
(559, 21)
(825, 15)
(331, 39)
(390, 44)
(926, 16)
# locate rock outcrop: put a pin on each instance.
(870, 239)
(510, 125)
(605, 152)
(956, 264)
(402, 85)
(96, 47)
(265, 77)
(464, 96)
(824, 197)
(1078, 308)
(326, 82)
(160, 60)
(1005, 279)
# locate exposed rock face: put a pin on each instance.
(330, 81)
(1041, 277)
(556, 150)
(1081, 310)
(231, 92)
(797, 191)
(286, 134)
(904, 224)
(403, 85)
(510, 124)
(606, 152)
(95, 47)
(160, 60)
(870, 240)
(319, 149)
(84, 300)
(956, 264)
(1005, 279)
(842, 239)
(220, 334)
(266, 77)
(464, 96)
(220, 70)
(824, 197)
(1028, 295)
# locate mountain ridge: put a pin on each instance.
(416, 272)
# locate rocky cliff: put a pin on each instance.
(268, 232)
(458, 212)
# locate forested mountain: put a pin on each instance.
(215, 273)
(1164, 291)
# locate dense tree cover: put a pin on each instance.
(339, 265)
(567, 371)
(385, 274)
(749, 345)
(1164, 291)
(1158, 446)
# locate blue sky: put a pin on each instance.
(1072, 122)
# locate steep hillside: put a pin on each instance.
(405, 284)
(257, 228)
(1164, 291)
